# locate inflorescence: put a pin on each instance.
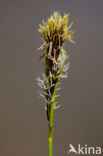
(54, 32)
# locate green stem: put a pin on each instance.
(50, 135)
(50, 124)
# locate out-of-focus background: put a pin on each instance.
(23, 123)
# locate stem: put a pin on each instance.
(50, 135)
(50, 124)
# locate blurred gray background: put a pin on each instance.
(23, 123)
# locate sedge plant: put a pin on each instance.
(53, 33)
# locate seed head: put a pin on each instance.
(54, 32)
